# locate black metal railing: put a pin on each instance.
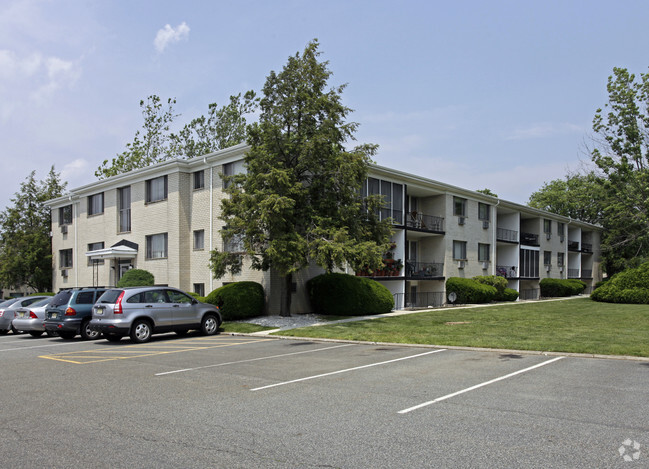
(585, 273)
(423, 270)
(421, 221)
(529, 294)
(419, 300)
(530, 239)
(573, 273)
(507, 271)
(587, 248)
(503, 234)
(573, 245)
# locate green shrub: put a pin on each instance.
(347, 295)
(509, 295)
(470, 291)
(556, 287)
(136, 278)
(499, 283)
(629, 286)
(240, 300)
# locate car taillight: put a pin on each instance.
(32, 315)
(70, 312)
(118, 304)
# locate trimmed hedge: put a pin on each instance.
(509, 295)
(470, 291)
(499, 283)
(556, 287)
(240, 300)
(630, 286)
(136, 278)
(347, 295)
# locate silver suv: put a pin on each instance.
(140, 312)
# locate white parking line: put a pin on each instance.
(251, 360)
(448, 396)
(346, 370)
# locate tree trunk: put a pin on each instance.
(286, 296)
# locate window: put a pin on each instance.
(232, 169)
(547, 226)
(459, 250)
(199, 179)
(234, 244)
(547, 258)
(95, 247)
(529, 264)
(124, 196)
(156, 246)
(96, 204)
(65, 215)
(156, 189)
(560, 258)
(459, 207)
(483, 211)
(561, 228)
(199, 289)
(392, 195)
(199, 239)
(65, 258)
(176, 296)
(483, 252)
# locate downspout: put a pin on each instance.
(75, 214)
(495, 239)
(211, 217)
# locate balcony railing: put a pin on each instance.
(420, 300)
(507, 271)
(573, 245)
(573, 273)
(396, 215)
(421, 221)
(530, 239)
(503, 234)
(424, 270)
(587, 248)
(586, 273)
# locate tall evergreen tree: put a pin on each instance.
(25, 244)
(299, 200)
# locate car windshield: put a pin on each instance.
(61, 298)
(109, 296)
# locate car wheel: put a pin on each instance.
(67, 335)
(36, 333)
(112, 337)
(141, 331)
(210, 324)
(3, 332)
(87, 333)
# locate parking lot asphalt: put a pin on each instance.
(237, 401)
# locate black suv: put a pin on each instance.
(70, 312)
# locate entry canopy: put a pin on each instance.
(122, 250)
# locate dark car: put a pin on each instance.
(140, 312)
(70, 312)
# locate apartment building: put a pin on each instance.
(165, 219)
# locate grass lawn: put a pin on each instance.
(574, 325)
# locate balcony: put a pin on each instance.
(391, 268)
(586, 273)
(573, 246)
(530, 239)
(420, 221)
(424, 270)
(507, 271)
(573, 273)
(587, 248)
(510, 236)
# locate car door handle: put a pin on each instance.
(176, 306)
(149, 306)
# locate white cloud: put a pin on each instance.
(544, 129)
(169, 35)
(76, 172)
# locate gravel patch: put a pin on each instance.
(282, 323)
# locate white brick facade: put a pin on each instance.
(426, 230)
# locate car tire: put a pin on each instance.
(210, 324)
(112, 337)
(13, 329)
(36, 333)
(87, 333)
(4, 331)
(67, 335)
(141, 331)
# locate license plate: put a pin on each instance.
(99, 311)
(21, 314)
(53, 316)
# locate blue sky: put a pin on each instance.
(496, 95)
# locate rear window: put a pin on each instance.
(109, 296)
(61, 298)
